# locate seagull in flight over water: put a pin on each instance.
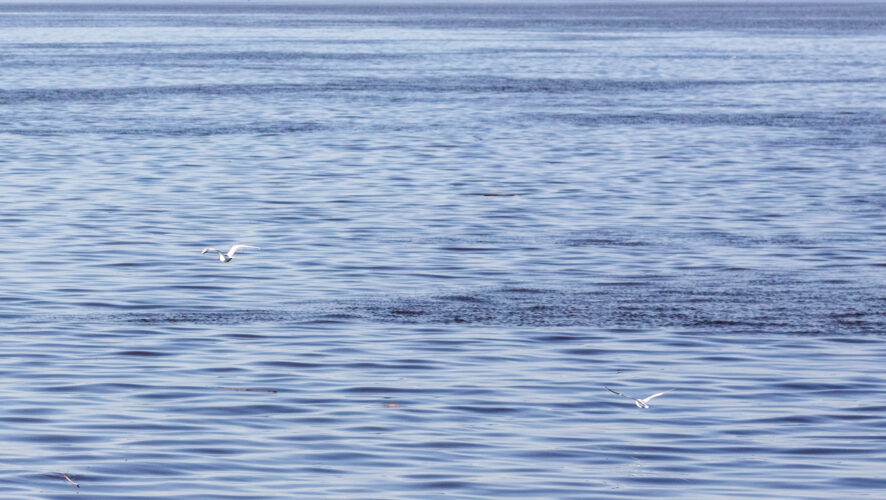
(641, 403)
(227, 256)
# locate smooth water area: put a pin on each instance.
(472, 219)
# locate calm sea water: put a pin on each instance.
(472, 218)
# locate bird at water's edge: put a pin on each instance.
(641, 403)
(227, 256)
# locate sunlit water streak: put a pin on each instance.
(472, 219)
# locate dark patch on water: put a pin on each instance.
(190, 130)
(752, 304)
(472, 85)
(825, 120)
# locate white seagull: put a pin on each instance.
(641, 403)
(227, 256)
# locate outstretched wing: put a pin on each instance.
(234, 249)
(208, 249)
(650, 398)
(620, 394)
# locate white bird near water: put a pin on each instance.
(227, 256)
(641, 403)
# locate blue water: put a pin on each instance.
(472, 218)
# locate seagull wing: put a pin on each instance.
(234, 249)
(650, 398)
(209, 249)
(620, 394)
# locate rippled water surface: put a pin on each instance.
(472, 219)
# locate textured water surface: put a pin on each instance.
(472, 218)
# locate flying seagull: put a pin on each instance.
(227, 256)
(641, 403)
